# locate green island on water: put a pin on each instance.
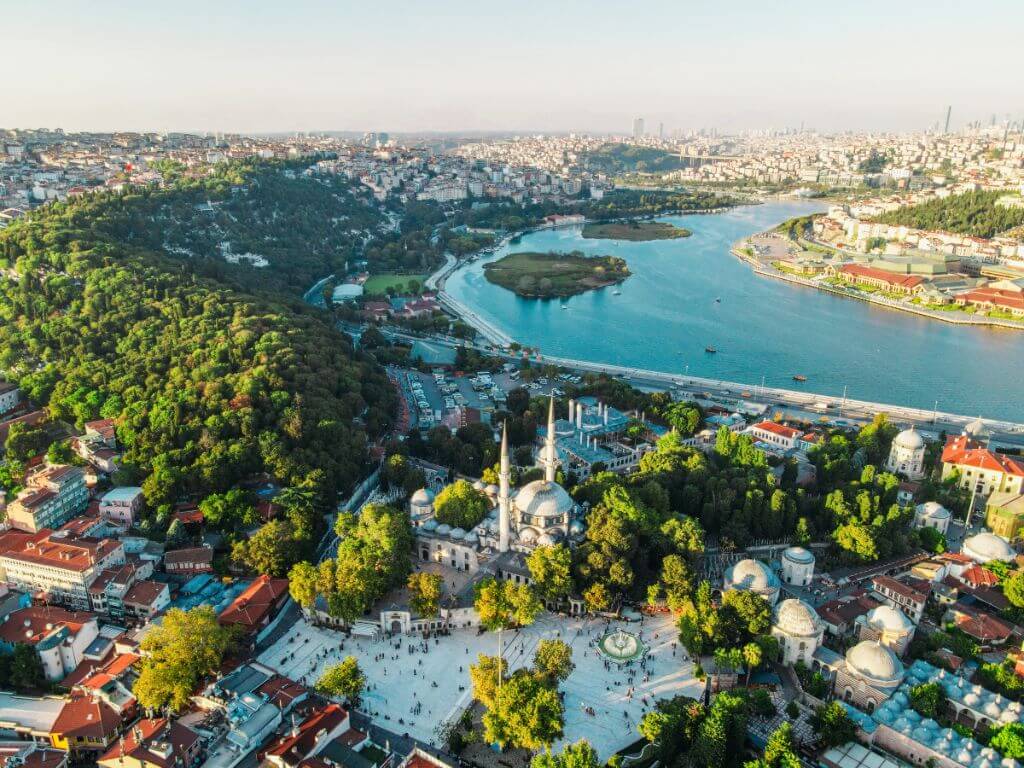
(555, 275)
(636, 231)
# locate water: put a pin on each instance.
(666, 315)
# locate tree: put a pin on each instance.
(1008, 740)
(551, 571)
(1013, 588)
(460, 505)
(177, 654)
(780, 752)
(672, 726)
(833, 725)
(272, 550)
(928, 699)
(484, 677)
(503, 605)
(230, 511)
(302, 584)
(553, 660)
(932, 539)
(527, 714)
(426, 591)
(720, 737)
(344, 679)
(24, 442)
(578, 755)
(752, 657)
(596, 598)
(26, 669)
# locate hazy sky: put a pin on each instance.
(254, 65)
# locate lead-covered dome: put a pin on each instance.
(885, 618)
(872, 660)
(422, 497)
(798, 555)
(795, 617)
(752, 576)
(543, 499)
(910, 439)
(985, 546)
(932, 510)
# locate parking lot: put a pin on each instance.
(431, 395)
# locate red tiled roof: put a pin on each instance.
(251, 607)
(891, 278)
(981, 626)
(33, 624)
(779, 429)
(293, 748)
(145, 592)
(84, 716)
(962, 451)
(995, 297)
(977, 576)
(902, 588)
(282, 691)
(72, 554)
(138, 740)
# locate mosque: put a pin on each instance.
(907, 455)
(540, 513)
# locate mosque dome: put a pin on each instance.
(471, 539)
(986, 546)
(909, 439)
(492, 490)
(458, 533)
(576, 527)
(423, 497)
(543, 499)
(429, 525)
(872, 660)
(444, 529)
(528, 536)
(885, 618)
(751, 575)
(795, 617)
(798, 555)
(932, 510)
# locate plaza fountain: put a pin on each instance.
(621, 646)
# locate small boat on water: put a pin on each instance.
(710, 350)
(616, 293)
(718, 300)
(565, 306)
(799, 377)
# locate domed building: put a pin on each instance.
(984, 547)
(421, 506)
(906, 456)
(931, 514)
(799, 630)
(868, 675)
(889, 626)
(752, 576)
(797, 566)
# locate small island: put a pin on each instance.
(636, 231)
(555, 275)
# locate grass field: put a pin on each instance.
(378, 285)
(635, 231)
(547, 275)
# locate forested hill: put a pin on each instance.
(208, 384)
(299, 226)
(972, 213)
(630, 158)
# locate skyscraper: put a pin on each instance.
(638, 128)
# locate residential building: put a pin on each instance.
(189, 561)
(155, 743)
(86, 724)
(121, 504)
(52, 497)
(254, 609)
(309, 737)
(910, 595)
(10, 396)
(60, 638)
(19, 754)
(60, 566)
(29, 718)
(775, 435)
(146, 599)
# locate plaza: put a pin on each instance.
(416, 685)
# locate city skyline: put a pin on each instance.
(460, 68)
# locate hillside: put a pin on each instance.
(617, 158)
(296, 227)
(209, 384)
(972, 213)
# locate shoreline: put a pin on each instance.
(947, 317)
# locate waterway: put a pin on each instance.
(667, 313)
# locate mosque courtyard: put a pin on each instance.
(414, 686)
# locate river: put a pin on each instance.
(666, 314)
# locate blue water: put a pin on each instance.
(666, 315)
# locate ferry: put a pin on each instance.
(710, 350)
(799, 377)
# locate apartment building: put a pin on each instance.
(52, 497)
(10, 396)
(60, 565)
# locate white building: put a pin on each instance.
(889, 626)
(60, 638)
(776, 435)
(797, 566)
(984, 547)
(121, 504)
(931, 514)
(906, 456)
(799, 630)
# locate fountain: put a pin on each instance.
(621, 646)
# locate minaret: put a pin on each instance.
(503, 500)
(549, 444)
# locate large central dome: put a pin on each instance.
(798, 618)
(543, 499)
(875, 662)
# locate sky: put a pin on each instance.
(461, 65)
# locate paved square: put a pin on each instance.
(416, 685)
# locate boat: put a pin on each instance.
(799, 377)
(565, 306)
(710, 350)
(718, 300)
(616, 293)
